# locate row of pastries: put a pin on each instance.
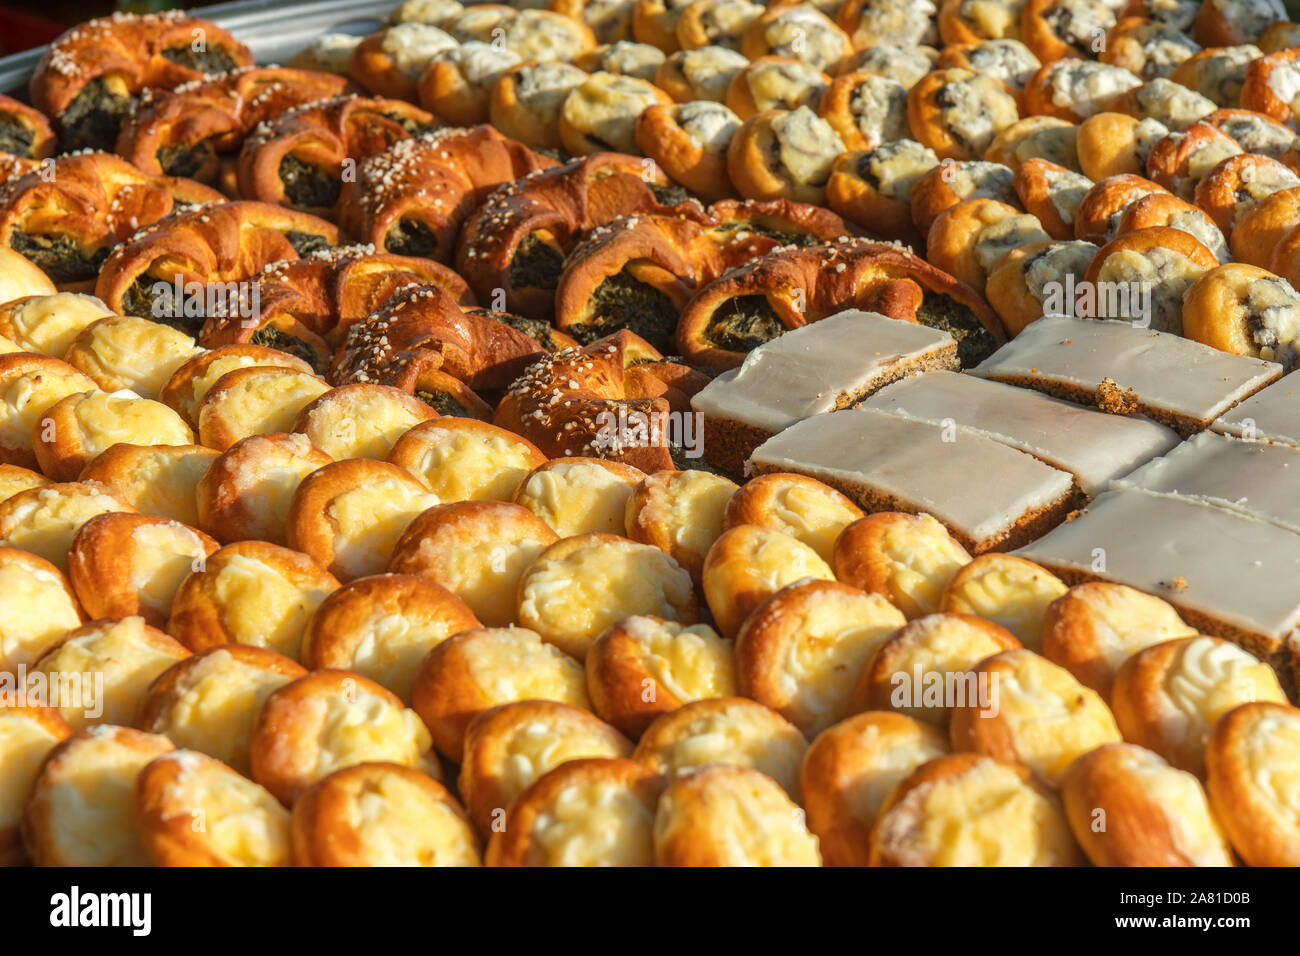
(336, 568)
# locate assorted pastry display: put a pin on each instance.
(655, 433)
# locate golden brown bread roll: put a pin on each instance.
(28, 732)
(907, 558)
(246, 492)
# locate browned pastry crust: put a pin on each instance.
(75, 429)
(949, 123)
(1181, 160)
(908, 558)
(1166, 209)
(464, 459)
(1146, 48)
(420, 329)
(1239, 183)
(958, 23)
(516, 241)
(66, 219)
(775, 82)
(952, 181)
(265, 599)
(1219, 24)
(1097, 217)
(90, 75)
(527, 109)
(1077, 101)
(1220, 310)
(790, 288)
(956, 242)
(25, 133)
(767, 36)
(1045, 138)
(360, 420)
(23, 759)
(1256, 92)
(757, 155)
(412, 198)
(192, 130)
(109, 550)
(655, 22)
(190, 383)
(37, 382)
(1254, 132)
(1181, 259)
(297, 157)
(700, 25)
(218, 245)
(1110, 144)
(610, 20)
(851, 104)
(154, 479)
(701, 167)
(389, 61)
(255, 401)
(1260, 235)
(856, 192)
(1217, 73)
(1051, 193)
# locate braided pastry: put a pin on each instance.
(789, 288)
(24, 132)
(88, 78)
(297, 158)
(67, 223)
(412, 198)
(184, 132)
(214, 247)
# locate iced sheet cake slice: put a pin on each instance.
(1227, 573)
(1271, 414)
(1123, 369)
(989, 495)
(1091, 445)
(818, 368)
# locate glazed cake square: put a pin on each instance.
(989, 495)
(1228, 573)
(1271, 414)
(1093, 446)
(818, 368)
(1251, 477)
(1122, 369)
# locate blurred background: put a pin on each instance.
(28, 23)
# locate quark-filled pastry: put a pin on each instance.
(463, 459)
(255, 401)
(27, 733)
(907, 558)
(802, 507)
(77, 428)
(48, 324)
(246, 492)
(360, 421)
(44, 520)
(30, 384)
(1009, 591)
(681, 513)
(580, 495)
(37, 607)
(123, 352)
(747, 565)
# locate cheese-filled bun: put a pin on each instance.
(77, 428)
(37, 607)
(44, 520)
(580, 495)
(802, 507)
(154, 479)
(361, 421)
(247, 491)
(1007, 590)
(28, 731)
(464, 459)
(680, 513)
(747, 565)
(908, 558)
(255, 401)
(190, 383)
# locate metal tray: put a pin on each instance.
(273, 29)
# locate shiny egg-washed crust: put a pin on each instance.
(48, 324)
(1051, 194)
(804, 285)
(681, 513)
(1166, 209)
(747, 564)
(78, 427)
(390, 61)
(856, 193)
(28, 129)
(462, 459)
(208, 611)
(645, 667)
(1011, 286)
(1111, 144)
(953, 181)
(735, 731)
(942, 644)
(30, 384)
(312, 527)
(1252, 751)
(191, 382)
(192, 810)
(805, 671)
(246, 491)
(688, 75)
(580, 495)
(1128, 788)
(18, 275)
(1260, 234)
(210, 700)
(1164, 245)
(417, 822)
(1040, 836)
(28, 731)
(14, 479)
(1238, 184)
(907, 558)
(804, 508)
(477, 550)
(954, 239)
(550, 824)
(600, 114)
(32, 627)
(806, 32)
(715, 23)
(81, 808)
(509, 747)
(697, 166)
(382, 627)
(1010, 591)
(131, 564)
(756, 156)
(257, 400)
(360, 420)
(753, 89)
(928, 112)
(1169, 696)
(841, 107)
(527, 111)
(1257, 92)
(122, 351)
(731, 816)
(483, 668)
(44, 520)
(1223, 22)
(1181, 160)
(328, 720)
(1043, 28)
(1041, 138)
(1220, 311)
(1091, 629)
(1097, 217)
(849, 771)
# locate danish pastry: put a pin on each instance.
(131, 564)
(774, 83)
(1238, 184)
(381, 814)
(48, 324)
(462, 459)
(482, 668)
(872, 187)
(783, 154)
(957, 113)
(1166, 209)
(250, 592)
(1008, 61)
(1057, 28)
(625, 58)
(1073, 89)
(580, 495)
(969, 239)
(195, 811)
(81, 810)
(1258, 235)
(37, 607)
(1147, 48)
(347, 516)
(44, 520)
(971, 810)
(29, 385)
(360, 421)
(1127, 807)
(681, 513)
(731, 816)
(655, 22)
(191, 382)
(909, 559)
(456, 82)
(1245, 310)
(1007, 590)
(747, 564)
(609, 20)
(800, 31)
(806, 671)
(1035, 713)
(1251, 758)
(1218, 72)
(1268, 84)
(543, 35)
(526, 101)
(801, 507)
(703, 73)
(382, 627)
(906, 64)
(27, 733)
(866, 110)
(1093, 628)
(257, 400)
(329, 720)
(734, 731)
(20, 277)
(1254, 132)
(1046, 139)
(1181, 160)
(14, 479)
(510, 747)
(1281, 35)
(1114, 144)
(590, 812)
(77, 428)
(209, 700)
(1168, 261)
(246, 491)
(1097, 217)
(1168, 697)
(849, 771)
(690, 142)
(1225, 22)
(716, 23)
(389, 62)
(123, 352)
(478, 550)
(953, 181)
(600, 113)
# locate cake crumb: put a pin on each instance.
(1115, 400)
